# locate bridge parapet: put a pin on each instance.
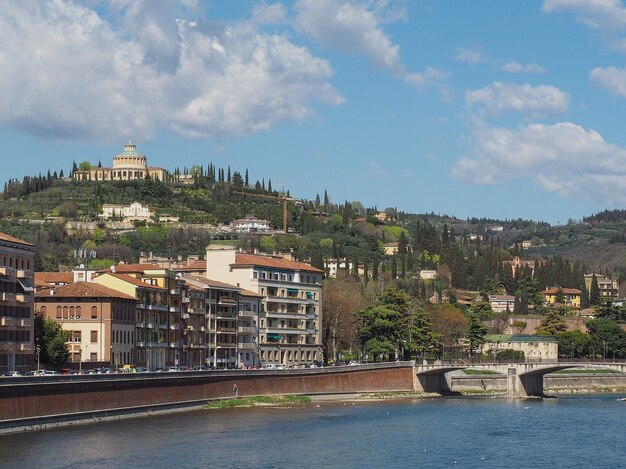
(523, 379)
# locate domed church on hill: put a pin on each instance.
(127, 166)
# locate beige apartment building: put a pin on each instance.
(163, 298)
(290, 319)
(17, 259)
(101, 321)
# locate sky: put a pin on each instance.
(502, 109)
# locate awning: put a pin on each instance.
(26, 286)
(273, 337)
(309, 294)
(292, 290)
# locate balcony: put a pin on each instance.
(226, 345)
(25, 322)
(247, 314)
(247, 330)
(25, 347)
(185, 316)
(203, 329)
(7, 321)
(162, 326)
(186, 299)
(190, 328)
(141, 325)
(174, 344)
(150, 325)
(310, 315)
(174, 309)
(226, 330)
(247, 346)
(226, 300)
(175, 291)
(311, 330)
(4, 296)
(284, 330)
(21, 298)
(6, 271)
(20, 273)
(174, 327)
(283, 315)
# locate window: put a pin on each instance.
(94, 312)
(78, 312)
(59, 314)
(76, 336)
(65, 312)
(255, 274)
(93, 357)
(42, 310)
(94, 336)
(72, 312)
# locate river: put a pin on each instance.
(578, 431)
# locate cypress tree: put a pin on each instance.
(594, 291)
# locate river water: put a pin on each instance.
(580, 431)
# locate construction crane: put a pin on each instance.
(283, 198)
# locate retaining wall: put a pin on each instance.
(31, 397)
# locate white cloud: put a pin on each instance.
(501, 98)
(430, 78)
(608, 17)
(351, 27)
(598, 14)
(514, 67)
(613, 79)
(269, 14)
(563, 158)
(69, 73)
(471, 56)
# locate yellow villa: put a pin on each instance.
(571, 296)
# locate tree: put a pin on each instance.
(52, 341)
(573, 343)
(519, 326)
(607, 338)
(559, 297)
(342, 298)
(417, 334)
(475, 333)
(594, 291)
(551, 324)
(378, 331)
(267, 244)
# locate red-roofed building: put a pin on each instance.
(162, 300)
(291, 317)
(17, 259)
(101, 321)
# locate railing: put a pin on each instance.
(310, 315)
(247, 329)
(4, 270)
(20, 298)
(174, 327)
(174, 309)
(311, 330)
(7, 321)
(247, 346)
(185, 316)
(247, 313)
(162, 326)
(285, 330)
(4, 296)
(21, 273)
(141, 325)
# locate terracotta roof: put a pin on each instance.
(197, 265)
(134, 281)
(84, 289)
(250, 293)
(502, 298)
(48, 278)
(566, 291)
(11, 239)
(126, 268)
(273, 262)
(210, 283)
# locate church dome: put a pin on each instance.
(129, 158)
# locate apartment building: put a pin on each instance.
(608, 287)
(162, 300)
(17, 259)
(291, 315)
(101, 321)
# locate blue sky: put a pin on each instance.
(500, 109)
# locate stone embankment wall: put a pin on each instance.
(569, 382)
(30, 397)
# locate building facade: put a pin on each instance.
(134, 211)
(101, 321)
(291, 316)
(608, 288)
(127, 166)
(570, 296)
(17, 260)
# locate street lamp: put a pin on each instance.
(38, 350)
(604, 355)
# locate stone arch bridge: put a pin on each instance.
(523, 379)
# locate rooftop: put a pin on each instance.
(11, 239)
(242, 259)
(84, 290)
